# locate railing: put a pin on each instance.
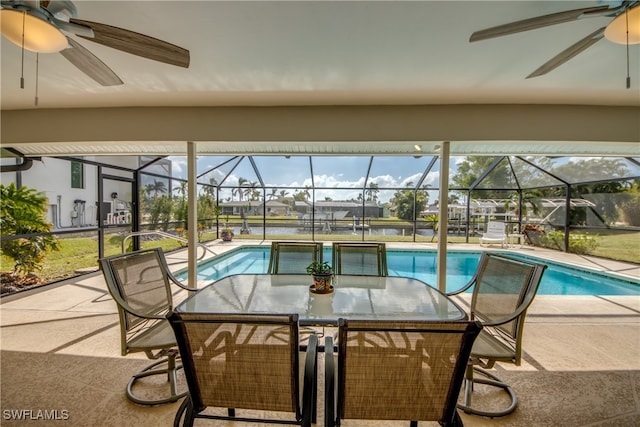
(165, 235)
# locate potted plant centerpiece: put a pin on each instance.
(322, 274)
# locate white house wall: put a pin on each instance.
(52, 177)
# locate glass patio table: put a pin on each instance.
(353, 297)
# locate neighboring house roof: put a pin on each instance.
(344, 204)
(254, 203)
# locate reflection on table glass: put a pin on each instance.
(354, 297)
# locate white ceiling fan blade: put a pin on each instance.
(90, 64)
(136, 43)
(537, 22)
(568, 53)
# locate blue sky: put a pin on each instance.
(330, 173)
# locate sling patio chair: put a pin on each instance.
(140, 284)
(293, 257)
(243, 361)
(503, 289)
(365, 259)
(386, 370)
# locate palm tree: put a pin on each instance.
(273, 194)
(209, 190)
(239, 191)
(148, 189)
(307, 194)
(181, 189)
(372, 192)
(283, 194)
(251, 190)
(158, 187)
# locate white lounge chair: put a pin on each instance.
(495, 234)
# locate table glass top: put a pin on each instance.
(354, 297)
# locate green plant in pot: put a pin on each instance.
(322, 274)
(226, 233)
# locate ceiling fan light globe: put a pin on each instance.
(616, 31)
(39, 35)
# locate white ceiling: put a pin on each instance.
(331, 53)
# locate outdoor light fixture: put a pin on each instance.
(625, 29)
(32, 31)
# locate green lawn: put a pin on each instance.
(619, 245)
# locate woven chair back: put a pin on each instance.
(402, 370)
(142, 282)
(502, 285)
(366, 259)
(293, 257)
(240, 361)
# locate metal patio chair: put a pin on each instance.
(140, 284)
(503, 289)
(293, 257)
(397, 370)
(244, 361)
(366, 259)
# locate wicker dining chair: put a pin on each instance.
(366, 259)
(293, 257)
(390, 370)
(140, 284)
(243, 361)
(503, 289)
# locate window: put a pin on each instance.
(77, 175)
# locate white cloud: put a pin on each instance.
(342, 178)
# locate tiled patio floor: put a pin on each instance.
(60, 351)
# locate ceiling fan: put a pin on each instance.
(623, 29)
(39, 26)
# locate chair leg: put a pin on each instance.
(314, 410)
(190, 416)
(490, 380)
(150, 370)
(183, 407)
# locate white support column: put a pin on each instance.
(192, 219)
(443, 217)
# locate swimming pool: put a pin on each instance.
(558, 279)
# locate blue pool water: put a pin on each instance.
(557, 279)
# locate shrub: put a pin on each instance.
(630, 210)
(22, 212)
(579, 243)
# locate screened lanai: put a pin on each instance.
(132, 175)
(333, 197)
(350, 191)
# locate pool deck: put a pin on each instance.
(581, 365)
